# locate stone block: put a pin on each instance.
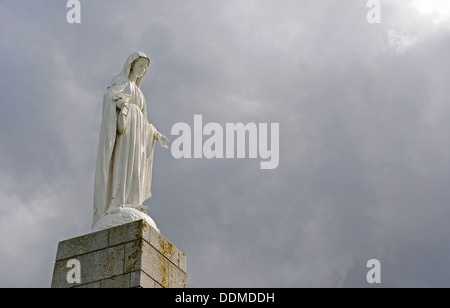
(165, 247)
(82, 244)
(182, 261)
(128, 256)
(177, 278)
(140, 279)
(122, 281)
(102, 264)
(129, 232)
(94, 266)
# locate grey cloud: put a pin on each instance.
(363, 155)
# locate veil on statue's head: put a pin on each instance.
(125, 73)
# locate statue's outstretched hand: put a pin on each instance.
(163, 141)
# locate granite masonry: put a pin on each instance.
(133, 255)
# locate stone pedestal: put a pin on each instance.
(133, 255)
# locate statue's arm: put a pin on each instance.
(163, 141)
(122, 105)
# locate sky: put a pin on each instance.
(364, 165)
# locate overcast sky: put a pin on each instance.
(363, 111)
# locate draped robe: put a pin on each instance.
(125, 155)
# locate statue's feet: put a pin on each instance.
(122, 216)
(115, 210)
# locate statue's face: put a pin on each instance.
(139, 67)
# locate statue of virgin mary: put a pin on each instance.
(123, 174)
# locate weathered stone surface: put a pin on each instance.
(102, 264)
(155, 265)
(182, 262)
(60, 271)
(122, 281)
(128, 256)
(82, 244)
(94, 266)
(140, 279)
(129, 232)
(165, 247)
(92, 285)
(133, 256)
(177, 278)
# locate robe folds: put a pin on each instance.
(123, 173)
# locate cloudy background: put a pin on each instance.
(364, 122)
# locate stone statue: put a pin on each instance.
(123, 175)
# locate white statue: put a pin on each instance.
(123, 175)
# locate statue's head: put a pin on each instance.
(139, 67)
(137, 63)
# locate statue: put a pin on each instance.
(123, 174)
